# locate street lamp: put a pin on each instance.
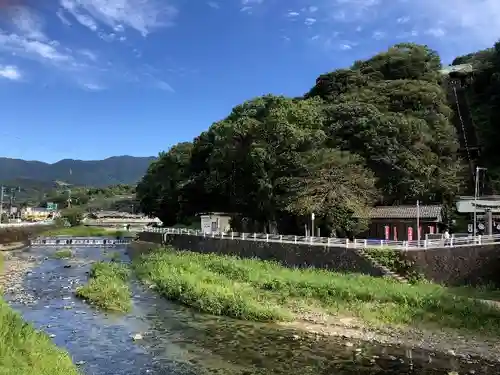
(476, 193)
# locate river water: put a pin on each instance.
(177, 341)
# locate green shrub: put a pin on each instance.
(395, 261)
(108, 287)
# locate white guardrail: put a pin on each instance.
(25, 224)
(454, 241)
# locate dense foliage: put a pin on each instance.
(379, 132)
(484, 100)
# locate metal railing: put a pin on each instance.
(453, 241)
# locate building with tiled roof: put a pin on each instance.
(400, 222)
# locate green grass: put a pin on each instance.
(23, 350)
(63, 254)
(83, 231)
(108, 287)
(265, 291)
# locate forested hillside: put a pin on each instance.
(111, 171)
(377, 133)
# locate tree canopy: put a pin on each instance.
(377, 133)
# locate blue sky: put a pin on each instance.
(88, 79)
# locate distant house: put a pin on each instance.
(215, 222)
(400, 222)
(36, 213)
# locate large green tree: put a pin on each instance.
(159, 190)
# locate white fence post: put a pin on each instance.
(328, 242)
(255, 236)
(295, 239)
(242, 236)
(232, 235)
(281, 238)
(365, 243)
(347, 242)
(267, 237)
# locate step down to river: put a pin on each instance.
(80, 241)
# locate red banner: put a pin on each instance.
(410, 234)
(387, 232)
(395, 234)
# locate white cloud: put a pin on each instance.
(10, 72)
(213, 4)
(27, 23)
(143, 16)
(451, 26)
(92, 86)
(33, 49)
(310, 21)
(379, 34)
(247, 6)
(468, 20)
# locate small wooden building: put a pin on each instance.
(399, 223)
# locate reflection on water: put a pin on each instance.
(178, 341)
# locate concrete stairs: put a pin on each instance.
(385, 271)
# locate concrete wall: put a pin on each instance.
(291, 255)
(459, 265)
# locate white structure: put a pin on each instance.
(466, 204)
(215, 222)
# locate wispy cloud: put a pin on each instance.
(10, 72)
(143, 16)
(248, 6)
(25, 37)
(457, 23)
(213, 4)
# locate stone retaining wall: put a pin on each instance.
(459, 265)
(292, 255)
(451, 265)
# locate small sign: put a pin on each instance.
(470, 228)
(312, 216)
(410, 234)
(51, 206)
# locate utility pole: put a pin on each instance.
(476, 193)
(312, 225)
(418, 222)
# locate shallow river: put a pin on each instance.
(177, 341)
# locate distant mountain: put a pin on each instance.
(99, 173)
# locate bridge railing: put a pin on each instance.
(336, 242)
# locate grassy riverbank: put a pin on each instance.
(84, 231)
(23, 350)
(63, 254)
(108, 287)
(265, 291)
